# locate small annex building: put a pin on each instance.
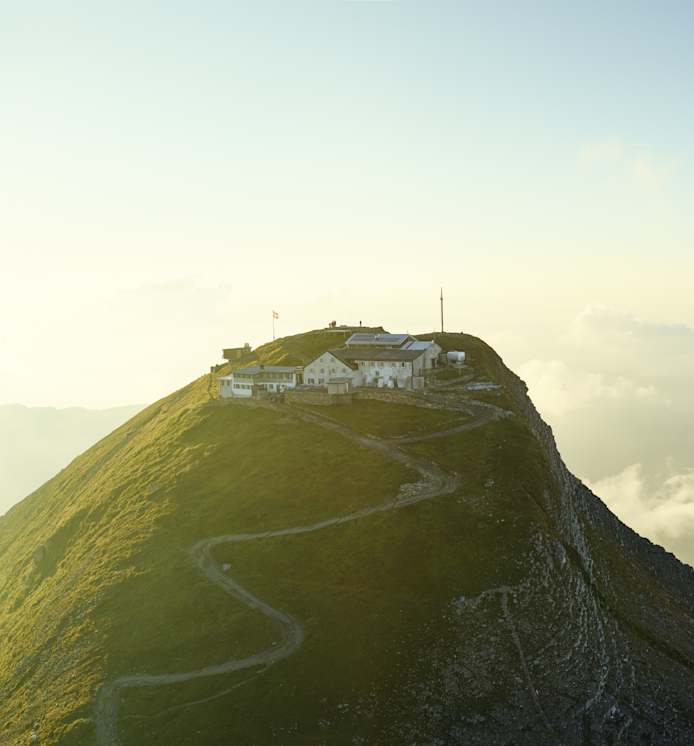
(432, 351)
(245, 381)
(337, 386)
(233, 354)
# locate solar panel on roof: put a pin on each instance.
(361, 338)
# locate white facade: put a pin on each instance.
(242, 382)
(431, 352)
(226, 387)
(326, 366)
(386, 368)
(390, 373)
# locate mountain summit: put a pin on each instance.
(415, 567)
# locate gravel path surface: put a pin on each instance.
(434, 482)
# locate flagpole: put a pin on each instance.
(273, 326)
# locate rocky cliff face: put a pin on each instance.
(599, 636)
(423, 571)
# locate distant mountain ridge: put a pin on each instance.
(36, 442)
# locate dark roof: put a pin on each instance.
(351, 354)
(419, 345)
(254, 369)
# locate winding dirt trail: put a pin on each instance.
(434, 482)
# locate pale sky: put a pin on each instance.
(172, 172)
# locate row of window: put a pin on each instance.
(249, 386)
(263, 376)
(237, 385)
(277, 376)
(363, 364)
(378, 364)
(320, 381)
(334, 371)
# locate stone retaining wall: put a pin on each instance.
(397, 396)
(317, 397)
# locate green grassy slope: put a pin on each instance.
(94, 575)
(96, 580)
(103, 573)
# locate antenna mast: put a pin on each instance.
(441, 310)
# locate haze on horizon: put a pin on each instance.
(170, 175)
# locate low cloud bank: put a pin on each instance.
(617, 391)
(561, 389)
(664, 512)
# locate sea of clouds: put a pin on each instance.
(618, 393)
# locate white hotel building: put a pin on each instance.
(383, 360)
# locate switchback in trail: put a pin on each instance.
(434, 482)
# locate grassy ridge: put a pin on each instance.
(368, 594)
(95, 579)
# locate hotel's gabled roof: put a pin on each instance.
(352, 354)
